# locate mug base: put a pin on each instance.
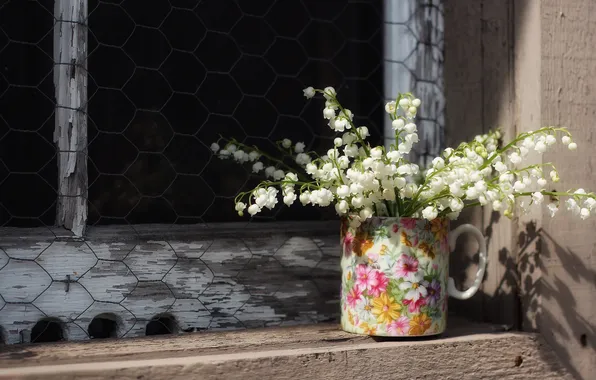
(408, 337)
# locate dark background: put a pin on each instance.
(164, 81)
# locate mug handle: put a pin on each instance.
(453, 235)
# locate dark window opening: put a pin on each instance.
(161, 325)
(103, 326)
(188, 74)
(47, 330)
(28, 167)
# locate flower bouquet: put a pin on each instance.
(395, 215)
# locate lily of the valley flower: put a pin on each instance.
(362, 181)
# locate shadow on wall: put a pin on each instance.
(534, 251)
(480, 46)
(537, 248)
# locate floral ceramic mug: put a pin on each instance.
(395, 275)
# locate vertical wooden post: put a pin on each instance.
(479, 83)
(70, 135)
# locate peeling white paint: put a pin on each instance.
(23, 281)
(63, 259)
(151, 261)
(228, 287)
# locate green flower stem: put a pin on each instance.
(519, 138)
(556, 194)
(269, 157)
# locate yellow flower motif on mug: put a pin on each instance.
(419, 324)
(439, 228)
(404, 239)
(368, 329)
(349, 275)
(351, 318)
(385, 308)
(427, 250)
(362, 246)
(383, 250)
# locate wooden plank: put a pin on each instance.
(151, 260)
(124, 318)
(17, 320)
(70, 135)
(188, 278)
(109, 281)
(67, 258)
(463, 72)
(23, 281)
(566, 314)
(282, 353)
(64, 301)
(191, 315)
(148, 300)
(500, 286)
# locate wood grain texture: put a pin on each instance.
(149, 299)
(109, 281)
(566, 314)
(17, 248)
(70, 134)
(319, 351)
(151, 260)
(67, 258)
(17, 320)
(188, 278)
(22, 281)
(124, 318)
(500, 286)
(480, 89)
(291, 277)
(64, 305)
(464, 120)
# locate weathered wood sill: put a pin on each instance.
(467, 351)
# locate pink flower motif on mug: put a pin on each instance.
(416, 292)
(406, 265)
(354, 296)
(366, 276)
(408, 223)
(380, 284)
(400, 326)
(414, 305)
(348, 243)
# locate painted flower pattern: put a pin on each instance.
(400, 326)
(385, 309)
(395, 277)
(406, 266)
(433, 293)
(419, 324)
(354, 295)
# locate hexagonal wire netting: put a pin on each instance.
(184, 72)
(165, 81)
(28, 167)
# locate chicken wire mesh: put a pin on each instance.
(71, 290)
(28, 167)
(182, 73)
(163, 83)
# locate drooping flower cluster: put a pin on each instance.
(362, 181)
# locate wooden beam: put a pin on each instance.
(70, 134)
